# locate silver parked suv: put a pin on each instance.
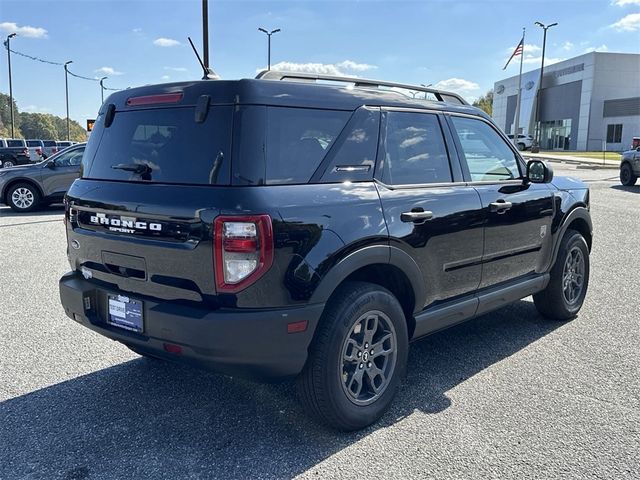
(630, 167)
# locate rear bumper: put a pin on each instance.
(249, 343)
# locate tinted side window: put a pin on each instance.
(487, 155)
(353, 155)
(414, 150)
(15, 143)
(70, 158)
(297, 141)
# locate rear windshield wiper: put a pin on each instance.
(139, 168)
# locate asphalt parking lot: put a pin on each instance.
(508, 395)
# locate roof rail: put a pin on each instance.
(441, 95)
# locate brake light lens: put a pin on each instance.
(243, 250)
(154, 99)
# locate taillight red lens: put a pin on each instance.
(243, 250)
(153, 99)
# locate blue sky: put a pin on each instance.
(456, 45)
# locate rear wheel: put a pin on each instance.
(7, 163)
(627, 177)
(564, 295)
(357, 359)
(521, 146)
(23, 197)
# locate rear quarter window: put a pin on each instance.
(283, 145)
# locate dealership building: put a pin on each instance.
(588, 102)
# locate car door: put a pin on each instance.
(430, 213)
(57, 178)
(517, 213)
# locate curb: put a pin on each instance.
(581, 165)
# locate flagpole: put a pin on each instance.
(518, 99)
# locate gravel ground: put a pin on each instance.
(508, 395)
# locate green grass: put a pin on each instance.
(615, 156)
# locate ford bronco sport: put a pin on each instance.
(303, 226)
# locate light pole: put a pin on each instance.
(9, 37)
(269, 44)
(102, 88)
(66, 88)
(538, 121)
(205, 33)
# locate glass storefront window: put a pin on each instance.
(556, 135)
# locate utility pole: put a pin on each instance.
(102, 88)
(538, 121)
(66, 88)
(9, 37)
(269, 33)
(205, 33)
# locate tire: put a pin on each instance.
(330, 386)
(8, 163)
(521, 147)
(627, 177)
(555, 302)
(23, 197)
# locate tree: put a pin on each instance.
(5, 117)
(37, 125)
(485, 102)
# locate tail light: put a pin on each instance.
(243, 250)
(26, 153)
(38, 150)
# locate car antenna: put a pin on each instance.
(209, 74)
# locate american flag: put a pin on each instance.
(518, 51)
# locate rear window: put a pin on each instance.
(34, 143)
(15, 143)
(169, 142)
(283, 145)
(50, 143)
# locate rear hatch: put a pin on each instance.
(153, 179)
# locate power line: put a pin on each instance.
(49, 62)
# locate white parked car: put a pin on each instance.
(524, 141)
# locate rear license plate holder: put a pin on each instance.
(126, 313)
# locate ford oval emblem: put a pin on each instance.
(75, 244)
(500, 89)
(529, 85)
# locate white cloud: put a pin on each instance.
(176, 69)
(537, 60)
(622, 3)
(354, 66)
(35, 109)
(567, 46)
(629, 23)
(137, 30)
(24, 31)
(458, 85)
(601, 48)
(108, 71)
(165, 42)
(165, 77)
(337, 69)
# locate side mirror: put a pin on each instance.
(539, 172)
(50, 164)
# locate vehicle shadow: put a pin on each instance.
(633, 189)
(53, 209)
(148, 419)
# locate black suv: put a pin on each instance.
(297, 225)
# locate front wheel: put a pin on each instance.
(564, 295)
(627, 177)
(357, 359)
(521, 146)
(7, 164)
(23, 197)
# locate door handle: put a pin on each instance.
(416, 217)
(500, 206)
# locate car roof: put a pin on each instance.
(282, 93)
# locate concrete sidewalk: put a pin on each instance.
(582, 162)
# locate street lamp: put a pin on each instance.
(66, 88)
(269, 44)
(538, 122)
(9, 37)
(102, 88)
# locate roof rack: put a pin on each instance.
(441, 95)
